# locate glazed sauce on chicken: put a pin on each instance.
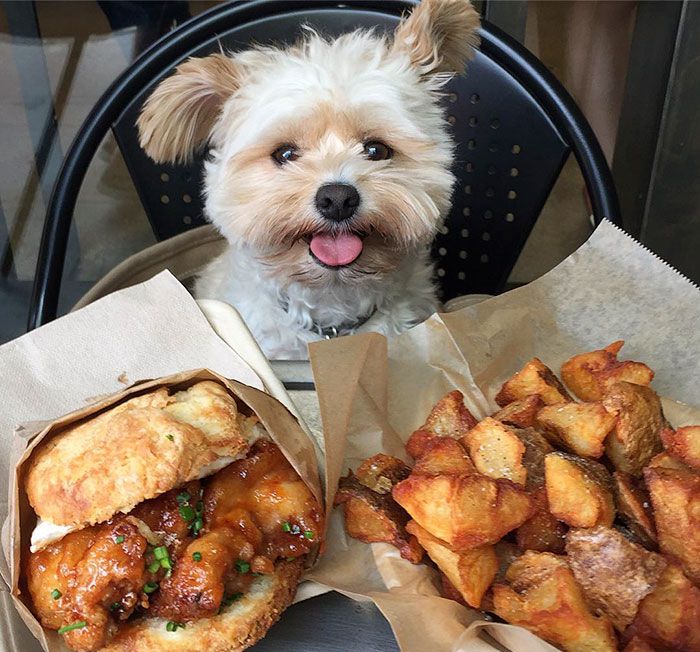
(182, 556)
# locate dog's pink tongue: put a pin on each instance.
(336, 250)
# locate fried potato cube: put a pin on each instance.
(465, 511)
(666, 461)
(417, 443)
(521, 413)
(590, 374)
(381, 472)
(450, 417)
(637, 644)
(634, 507)
(534, 378)
(371, 518)
(684, 444)
(675, 496)
(542, 532)
(543, 596)
(444, 455)
(636, 437)
(448, 590)
(496, 451)
(579, 491)
(580, 428)
(614, 573)
(668, 617)
(471, 572)
(536, 448)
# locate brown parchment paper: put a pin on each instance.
(93, 358)
(373, 393)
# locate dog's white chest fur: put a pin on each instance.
(284, 322)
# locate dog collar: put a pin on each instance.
(346, 328)
(331, 332)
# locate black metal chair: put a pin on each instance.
(515, 126)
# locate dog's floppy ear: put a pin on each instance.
(439, 35)
(178, 117)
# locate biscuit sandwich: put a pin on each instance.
(169, 521)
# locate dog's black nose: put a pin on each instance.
(337, 201)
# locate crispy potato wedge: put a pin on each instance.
(668, 617)
(579, 491)
(675, 496)
(543, 596)
(615, 574)
(634, 507)
(636, 437)
(418, 442)
(542, 532)
(536, 448)
(465, 511)
(534, 378)
(443, 455)
(450, 417)
(496, 451)
(580, 428)
(448, 590)
(381, 472)
(471, 572)
(521, 413)
(637, 644)
(666, 461)
(589, 375)
(372, 517)
(684, 444)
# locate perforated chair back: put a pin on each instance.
(513, 123)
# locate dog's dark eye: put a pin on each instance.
(375, 150)
(285, 153)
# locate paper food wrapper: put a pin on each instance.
(374, 393)
(75, 364)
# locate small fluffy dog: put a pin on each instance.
(328, 173)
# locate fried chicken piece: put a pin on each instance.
(81, 578)
(164, 516)
(266, 486)
(198, 583)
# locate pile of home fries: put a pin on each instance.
(577, 520)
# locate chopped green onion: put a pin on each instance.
(172, 626)
(242, 566)
(198, 522)
(183, 497)
(161, 552)
(119, 539)
(291, 558)
(114, 606)
(197, 556)
(154, 567)
(286, 527)
(69, 628)
(186, 512)
(166, 563)
(309, 534)
(149, 587)
(170, 437)
(56, 594)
